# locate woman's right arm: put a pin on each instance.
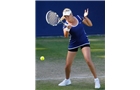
(66, 31)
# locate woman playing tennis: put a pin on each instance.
(78, 39)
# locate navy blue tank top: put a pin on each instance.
(78, 35)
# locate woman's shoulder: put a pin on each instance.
(79, 17)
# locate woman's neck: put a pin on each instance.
(74, 21)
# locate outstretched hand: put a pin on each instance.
(86, 13)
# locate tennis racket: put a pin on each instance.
(53, 19)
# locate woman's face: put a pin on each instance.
(68, 18)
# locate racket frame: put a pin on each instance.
(59, 21)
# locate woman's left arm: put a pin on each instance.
(86, 20)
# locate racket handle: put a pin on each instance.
(61, 19)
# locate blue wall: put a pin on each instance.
(96, 14)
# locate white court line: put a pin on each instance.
(71, 78)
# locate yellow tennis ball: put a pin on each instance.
(42, 58)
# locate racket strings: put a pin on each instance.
(52, 18)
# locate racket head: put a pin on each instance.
(52, 18)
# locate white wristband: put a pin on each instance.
(67, 29)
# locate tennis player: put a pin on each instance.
(78, 39)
